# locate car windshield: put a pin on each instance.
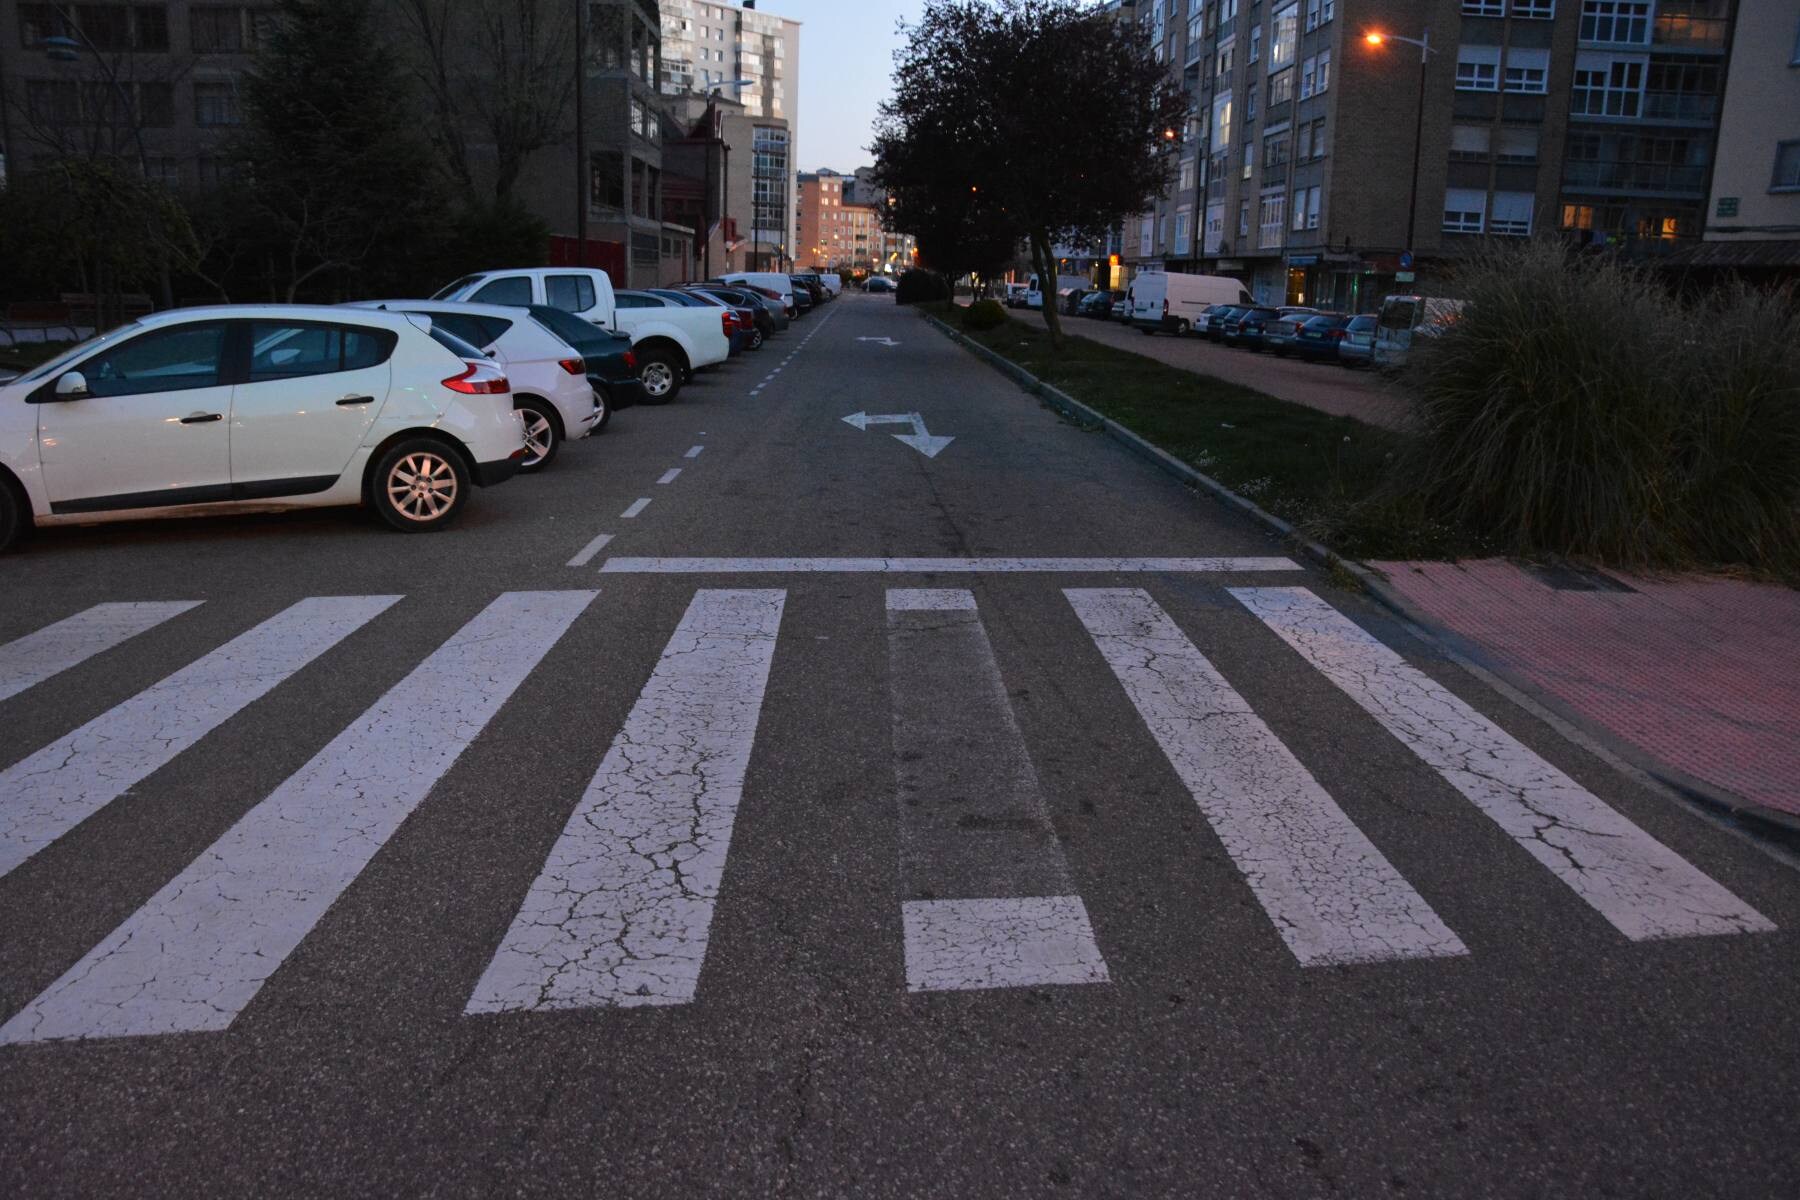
(1327, 322)
(53, 365)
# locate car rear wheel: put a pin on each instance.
(604, 402)
(661, 376)
(542, 438)
(12, 515)
(1182, 328)
(756, 337)
(419, 486)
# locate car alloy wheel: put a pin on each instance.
(423, 486)
(660, 377)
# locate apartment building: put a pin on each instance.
(151, 84)
(729, 168)
(836, 233)
(1753, 217)
(753, 58)
(1296, 168)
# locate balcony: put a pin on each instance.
(1681, 106)
(1681, 32)
(1658, 179)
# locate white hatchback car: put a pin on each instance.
(549, 378)
(205, 411)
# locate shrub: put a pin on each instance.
(1577, 408)
(984, 315)
(918, 287)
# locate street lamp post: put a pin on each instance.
(1376, 38)
(584, 171)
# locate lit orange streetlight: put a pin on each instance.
(1373, 38)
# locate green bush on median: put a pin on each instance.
(984, 315)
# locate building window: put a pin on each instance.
(1249, 158)
(216, 104)
(1316, 14)
(1275, 151)
(1281, 41)
(1222, 63)
(1619, 22)
(1606, 87)
(1527, 70)
(606, 181)
(1281, 87)
(1464, 210)
(1478, 68)
(1542, 10)
(1187, 176)
(1215, 228)
(1308, 77)
(1243, 218)
(1256, 43)
(1510, 215)
(1484, 8)
(1271, 214)
(222, 28)
(1786, 177)
(1306, 208)
(1250, 103)
(1184, 233)
(1470, 143)
(1221, 121)
(1518, 144)
(1577, 216)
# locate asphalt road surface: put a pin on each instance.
(870, 815)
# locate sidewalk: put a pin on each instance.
(1327, 387)
(1700, 674)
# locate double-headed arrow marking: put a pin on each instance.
(919, 439)
(885, 341)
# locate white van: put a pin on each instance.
(1065, 284)
(834, 283)
(1403, 318)
(775, 281)
(1172, 303)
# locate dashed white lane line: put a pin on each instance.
(592, 548)
(1332, 895)
(1645, 889)
(192, 958)
(897, 566)
(670, 475)
(623, 909)
(637, 506)
(694, 452)
(30, 660)
(49, 793)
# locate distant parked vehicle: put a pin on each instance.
(1015, 295)
(1245, 327)
(1034, 293)
(812, 286)
(834, 283)
(1098, 305)
(1211, 325)
(773, 281)
(1404, 318)
(1278, 337)
(1358, 343)
(1171, 302)
(1121, 309)
(1319, 336)
(878, 283)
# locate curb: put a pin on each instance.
(1769, 829)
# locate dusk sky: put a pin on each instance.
(846, 61)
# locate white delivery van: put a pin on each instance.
(1170, 302)
(834, 283)
(1403, 318)
(1065, 284)
(775, 281)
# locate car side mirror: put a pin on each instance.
(72, 386)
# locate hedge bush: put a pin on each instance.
(920, 287)
(1578, 408)
(984, 315)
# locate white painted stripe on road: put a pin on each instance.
(622, 911)
(592, 548)
(201, 949)
(915, 599)
(30, 660)
(962, 945)
(637, 506)
(49, 793)
(1332, 895)
(899, 566)
(694, 451)
(670, 475)
(1645, 889)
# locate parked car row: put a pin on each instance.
(403, 406)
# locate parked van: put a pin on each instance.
(1403, 318)
(1169, 302)
(1066, 285)
(775, 281)
(834, 283)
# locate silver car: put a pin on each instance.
(1358, 344)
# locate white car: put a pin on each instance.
(550, 386)
(206, 411)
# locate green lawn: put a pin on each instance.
(1312, 469)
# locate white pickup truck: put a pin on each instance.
(670, 343)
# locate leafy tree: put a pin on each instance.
(1055, 117)
(335, 169)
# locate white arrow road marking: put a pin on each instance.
(198, 952)
(1645, 889)
(919, 439)
(880, 341)
(73, 640)
(623, 909)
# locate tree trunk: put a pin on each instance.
(1044, 259)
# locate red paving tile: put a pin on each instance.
(1701, 673)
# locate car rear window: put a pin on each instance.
(565, 325)
(1361, 324)
(573, 293)
(454, 344)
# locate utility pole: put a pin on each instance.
(583, 171)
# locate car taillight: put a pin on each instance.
(630, 361)
(729, 320)
(573, 366)
(481, 379)
(1336, 335)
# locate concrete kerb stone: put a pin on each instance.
(1775, 832)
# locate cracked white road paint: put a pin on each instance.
(1332, 895)
(963, 945)
(897, 566)
(1645, 889)
(621, 913)
(30, 660)
(190, 959)
(588, 551)
(46, 795)
(987, 898)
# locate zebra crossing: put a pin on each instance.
(621, 912)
